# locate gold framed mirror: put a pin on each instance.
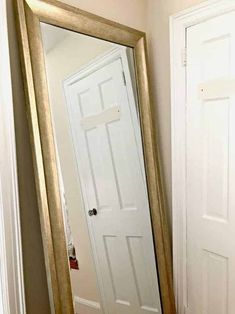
(122, 53)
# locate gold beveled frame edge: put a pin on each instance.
(154, 182)
(30, 13)
(45, 163)
(37, 156)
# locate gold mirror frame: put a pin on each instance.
(29, 15)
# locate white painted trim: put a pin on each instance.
(178, 26)
(11, 269)
(89, 303)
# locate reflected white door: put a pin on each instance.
(211, 166)
(107, 141)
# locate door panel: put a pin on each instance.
(210, 166)
(111, 171)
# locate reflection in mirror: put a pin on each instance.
(104, 195)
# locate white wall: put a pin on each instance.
(132, 13)
(157, 29)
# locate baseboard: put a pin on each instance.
(84, 306)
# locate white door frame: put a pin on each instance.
(12, 299)
(178, 25)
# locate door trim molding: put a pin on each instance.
(11, 267)
(178, 26)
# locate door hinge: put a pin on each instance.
(184, 57)
(124, 78)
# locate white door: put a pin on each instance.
(107, 140)
(210, 166)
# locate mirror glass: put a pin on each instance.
(94, 108)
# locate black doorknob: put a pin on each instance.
(92, 212)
